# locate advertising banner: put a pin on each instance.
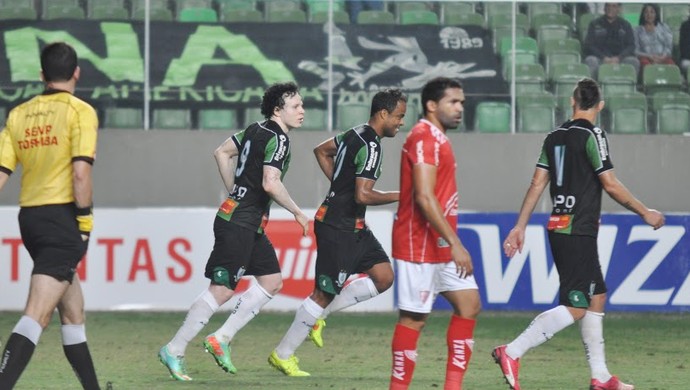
(153, 259)
(644, 269)
(194, 65)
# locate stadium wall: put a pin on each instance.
(177, 169)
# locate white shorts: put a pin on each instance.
(418, 284)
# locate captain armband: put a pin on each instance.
(85, 219)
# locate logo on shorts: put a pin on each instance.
(239, 274)
(342, 277)
(424, 295)
(577, 299)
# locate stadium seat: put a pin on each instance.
(672, 112)
(536, 113)
(501, 26)
(286, 16)
(123, 118)
(657, 78)
(198, 15)
(469, 19)
(408, 6)
(251, 115)
(168, 119)
(241, 15)
(617, 79)
(529, 79)
(339, 17)
(670, 10)
(454, 8)
(419, 17)
(492, 117)
(495, 8)
(184, 4)
(19, 13)
(563, 79)
(520, 58)
(59, 3)
(534, 9)
(323, 6)
(156, 14)
(153, 4)
(554, 45)
(627, 113)
(350, 115)
(412, 115)
(99, 12)
(583, 22)
(217, 119)
(551, 26)
(375, 17)
(315, 119)
(224, 5)
(281, 5)
(53, 12)
(522, 45)
(560, 57)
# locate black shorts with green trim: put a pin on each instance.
(577, 262)
(239, 251)
(341, 254)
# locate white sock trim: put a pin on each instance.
(210, 300)
(29, 328)
(73, 334)
(269, 296)
(312, 308)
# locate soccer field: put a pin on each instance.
(649, 350)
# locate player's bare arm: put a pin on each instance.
(424, 182)
(276, 190)
(516, 238)
(325, 152)
(618, 192)
(3, 179)
(225, 159)
(366, 194)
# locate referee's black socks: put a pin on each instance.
(79, 357)
(14, 359)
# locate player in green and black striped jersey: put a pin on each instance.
(576, 161)
(252, 164)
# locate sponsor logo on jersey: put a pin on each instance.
(373, 156)
(281, 149)
(557, 222)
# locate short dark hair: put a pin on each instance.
(58, 62)
(275, 95)
(435, 89)
(586, 94)
(387, 100)
(657, 17)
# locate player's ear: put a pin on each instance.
(601, 105)
(43, 78)
(77, 73)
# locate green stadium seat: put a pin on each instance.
(469, 19)
(534, 9)
(339, 17)
(412, 115)
(217, 119)
(154, 4)
(617, 79)
(168, 119)
(551, 26)
(671, 10)
(225, 5)
(315, 119)
(408, 6)
(286, 16)
(560, 57)
(522, 45)
(198, 15)
(492, 117)
(671, 112)
(495, 8)
(100, 12)
(123, 118)
(454, 8)
(18, 13)
(627, 113)
(529, 79)
(323, 6)
(62, 12)
(567, 44)
(156, 14)
(583, 22)
(251, 115)
(375, 17)
(419, 17)
(520, 58)
(17, 3)
(563, 79)
(501, 26)
(657, 78)
(59, 3)
(350, 115)
(281, 5)
(184, 4)
(232, 15)
(536, 113)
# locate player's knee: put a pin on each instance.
(384, 282)
(274, 287)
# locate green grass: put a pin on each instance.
(650, 350)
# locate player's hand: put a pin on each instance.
(462, 259)
(303, 220)
(654, 219)
(514, 242)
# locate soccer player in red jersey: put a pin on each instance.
(430, 258)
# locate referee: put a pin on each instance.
(53, 136)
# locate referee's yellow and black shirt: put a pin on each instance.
(46, 134)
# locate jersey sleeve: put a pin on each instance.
(237, 139)
(8, 157)
(597, 149)
(277, 151)
(368, 161)
(425, 150)
(84, 134)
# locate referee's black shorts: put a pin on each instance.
(341, 254)
(51, 236)
(577, 262)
